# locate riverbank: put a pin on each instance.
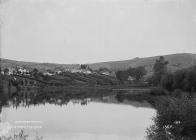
(17, 82)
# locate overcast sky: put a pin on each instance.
(86, 31)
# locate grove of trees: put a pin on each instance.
(184, 79)
(122, 76)
(137, 73)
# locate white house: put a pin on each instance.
(76, 71)
(86, 71)
(48, 73)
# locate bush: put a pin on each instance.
(175, 120)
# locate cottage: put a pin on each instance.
(106, 71)
(48, 74)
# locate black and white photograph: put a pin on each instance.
(97, 69)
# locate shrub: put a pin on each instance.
(175, 120)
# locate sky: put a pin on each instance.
(88, 31)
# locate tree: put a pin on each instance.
(35, 72)
(140, 72)
(167, 81)
(131, 71)
(137, 72)
(6, 71)
(122, 76)
(190, 81)
(185, 79)
(160, 69)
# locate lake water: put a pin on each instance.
(79, 119)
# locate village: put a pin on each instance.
(84, 69)
(22, 77)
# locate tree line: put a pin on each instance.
(184, 79)
(136, 73)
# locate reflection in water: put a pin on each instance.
(27, 98)
(78, 114)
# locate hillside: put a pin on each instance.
(176, 62)
(6, 63)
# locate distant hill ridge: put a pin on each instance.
(176, 62)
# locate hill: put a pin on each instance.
(176, 62)
(6, 63)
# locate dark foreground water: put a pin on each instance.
(65, 117)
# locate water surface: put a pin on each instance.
(101, 118)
